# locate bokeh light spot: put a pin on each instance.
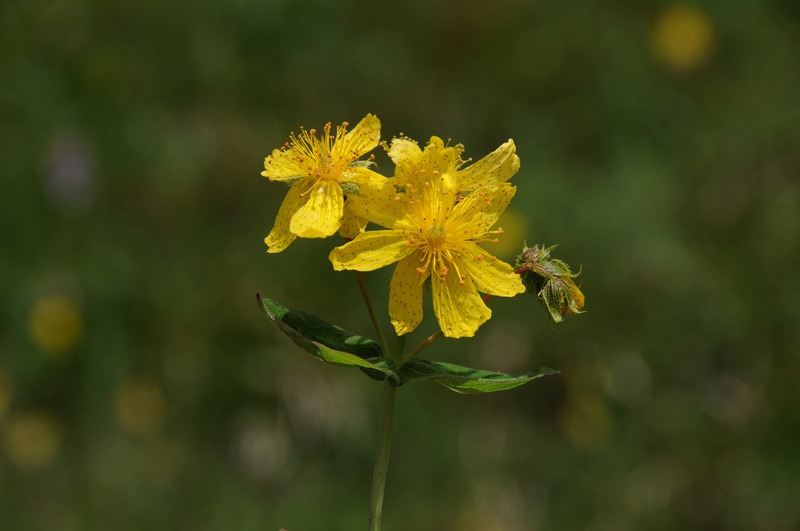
(585, 420)
(514, 226)
(6, 391)
(140, 407)
(32, 439)
(56, 324)
(682, 37)
(70, 173)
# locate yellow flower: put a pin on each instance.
(321, 173)
(377, 203)
(438, 217)
(495, 168)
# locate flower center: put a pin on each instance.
(436, 233)
(319, 155)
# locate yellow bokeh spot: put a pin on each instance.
(682, 37)
(32, 439)
(55, 324)
(140, 407)
(6, 390)
(514, 226)
(585, 419)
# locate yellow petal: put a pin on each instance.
(577, 296)
(437, 159)
(490, 275)
(321, 215)
(352, 225)
(283, 165)
(495, 168)
(405, 296)
(458, 308)
(362, 138)
(482, 208)
(280, 236)
(371, 250)
(404, 149)
(375, 198)
(406, 155)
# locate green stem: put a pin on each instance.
(416, 350)
(382, 457)
(372, 315)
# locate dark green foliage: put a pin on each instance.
(336, 346)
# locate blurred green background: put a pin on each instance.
(141, 388)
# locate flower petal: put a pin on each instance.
(489, 274)
(280, 236)
(352, 225)
(481, 209)
(438, 159)
(404, 149)
(405, 296)
(321, 215)
(574, 303)
(371, 250)
(458, 308)
(362, 138)
(375, 198)
(282, 166)
(495, 168)
(406, 155)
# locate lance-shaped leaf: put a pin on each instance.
(328, 342)
(464, 379)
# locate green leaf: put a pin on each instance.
(465, 379)
(328, 342)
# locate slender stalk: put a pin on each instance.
(382, 457)
(427, 341)
(372, 315)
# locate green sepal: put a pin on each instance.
(328, 342)
(465, 379)
(551, 280)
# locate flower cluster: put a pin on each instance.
(434, 214)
